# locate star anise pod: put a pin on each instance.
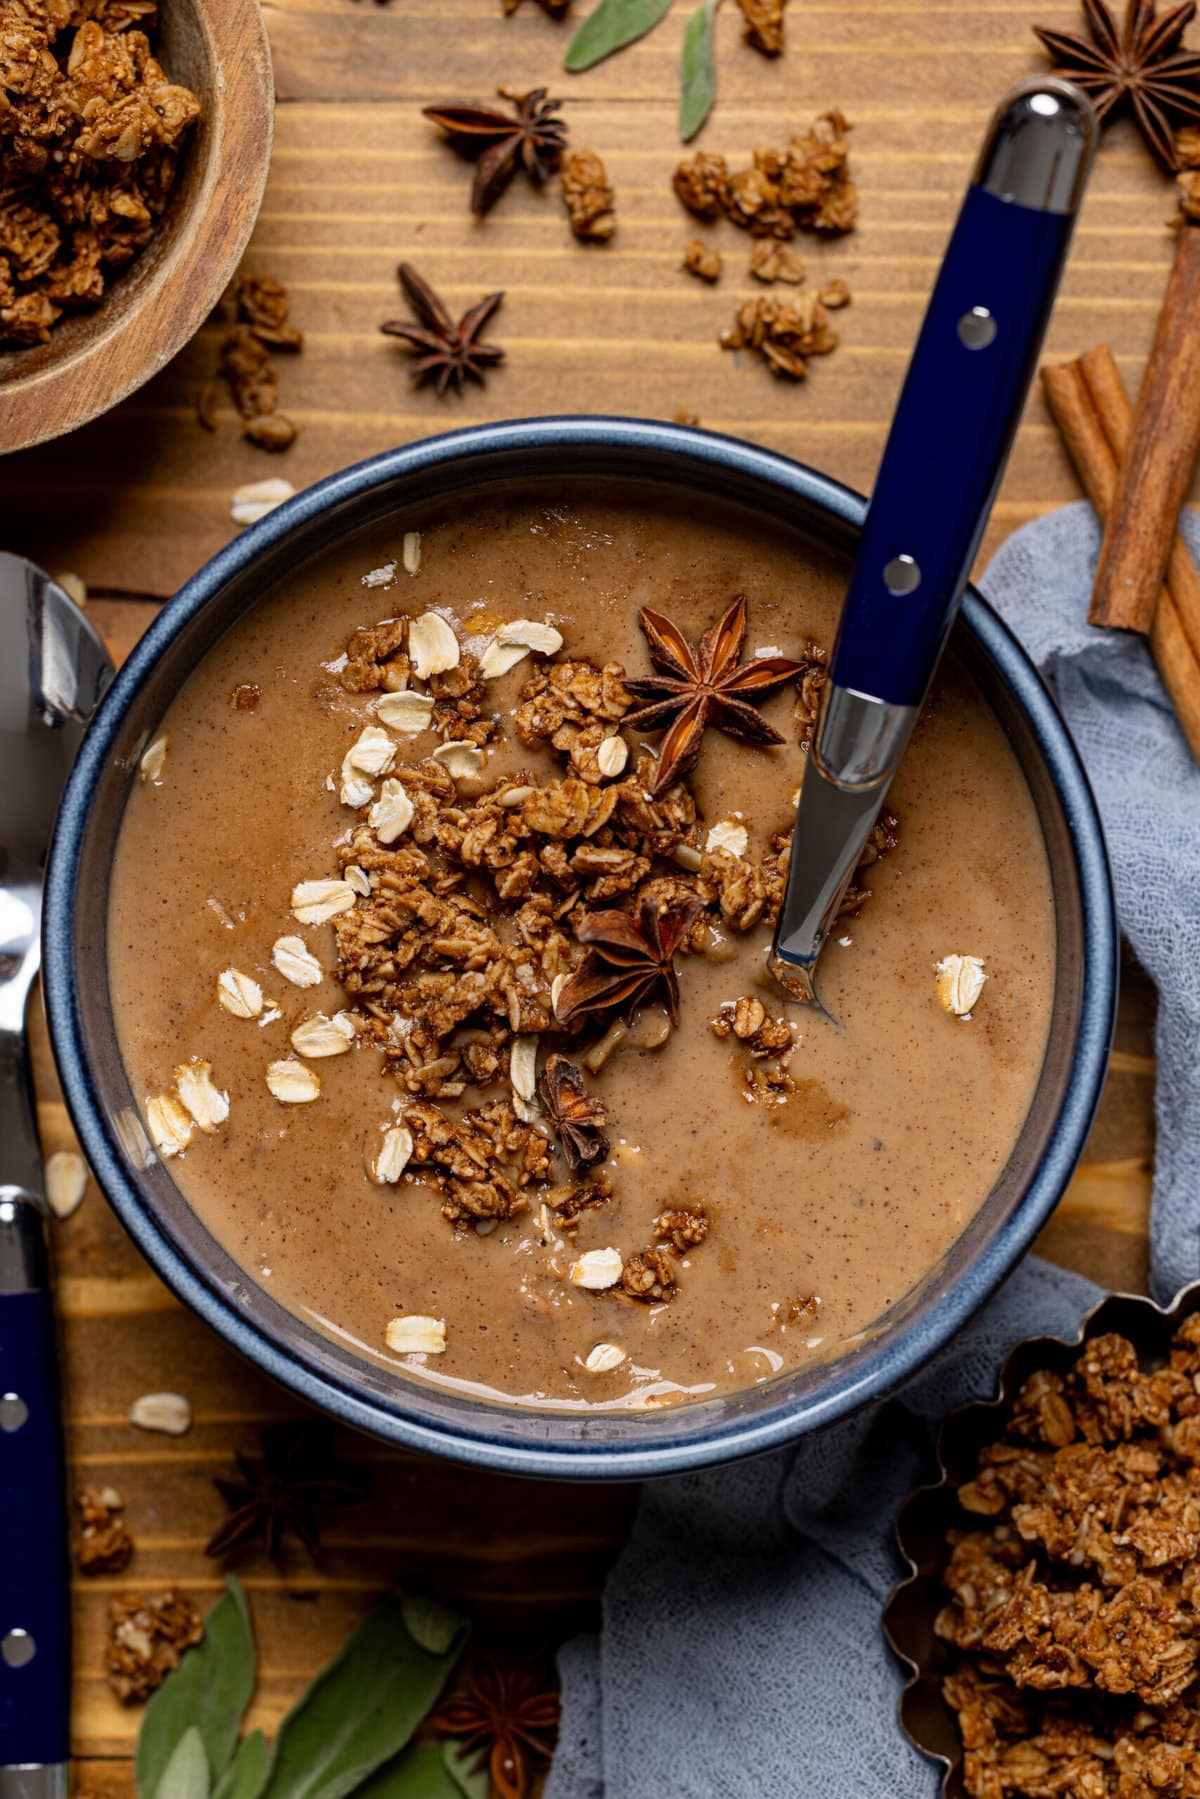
(507, 1714)
(530, 137)
(449, 354)
(1142, 64)
(285, 1491)
(701, 686)
(576, 1117)
(629, 960)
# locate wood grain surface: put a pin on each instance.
(136, 501)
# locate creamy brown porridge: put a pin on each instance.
(402, 905)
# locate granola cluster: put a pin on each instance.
(104, 1546)
(805, 187)
(1074, 1606)
(90, 128)
(587, 195)
(784, 332)
(764, 24)
(484, 928)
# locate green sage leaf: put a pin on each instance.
(246, 1774)
(699, 70)
(186, 1773)
(610, 27)
(420, 1773)
(209, 1691)
(362, 1708)
(467, 1770)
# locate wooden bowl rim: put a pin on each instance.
(240, 103)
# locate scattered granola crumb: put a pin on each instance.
(148, 1632)
(702, 259)
(245, 696)
(771, 260)
(167, 1413)
(588, 196)
(104, 1546)
(804, 187)
(683, 1227)
(66, 1182)
(834, 294)
(764, 24)
(650, 1277)
(747, 1019)
(784, 332)
(246, 365)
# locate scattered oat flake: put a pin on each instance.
(603, 1357)
(433, 648)
(460, 757)
(239, 994)
(208, 1105)
(374, 752)
(257, 498)
(296, 962)
(66, 1182)
(959, 983)
(406, 711)
(499, 657)
(412, 552)
(544, 639)
(391, 814)
(150, 768)
(169, 1124)
(417, 1335)
(380, 577)
(315, 902)
(359, 879)
(393, 1155)
(324, 1036)
(292, 1083)
(611, 756)
(74, 587)
(597, 1269)
(729, 836)
(522, 1065)
(168, 1413)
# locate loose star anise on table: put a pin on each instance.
(629, 960)
(531, 137)
(576, 1117)
(507, 1714)
(448, 354)
(285, 1491)
(1141, 63)
(701, 686)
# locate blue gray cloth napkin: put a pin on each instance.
(740, 1654)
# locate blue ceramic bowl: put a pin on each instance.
(374, 1398)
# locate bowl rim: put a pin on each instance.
(879, 1368)
(89, 379)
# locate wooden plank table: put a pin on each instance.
(135, 502)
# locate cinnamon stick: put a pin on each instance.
(1154, 475)
(1092, 410)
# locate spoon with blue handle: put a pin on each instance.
(53, 672)
(949, 442)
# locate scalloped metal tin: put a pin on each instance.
(371, 1396)
(932, 1510)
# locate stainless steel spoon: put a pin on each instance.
(53, 672)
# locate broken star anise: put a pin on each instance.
(575, 1116)
(531, 137)
(629, 960)
(701, 686)
(448, 354)
(1141, 63)
(286, 1491)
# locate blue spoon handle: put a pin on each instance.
(959, 408)
(34, 1592)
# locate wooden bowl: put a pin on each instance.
(219, 49)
